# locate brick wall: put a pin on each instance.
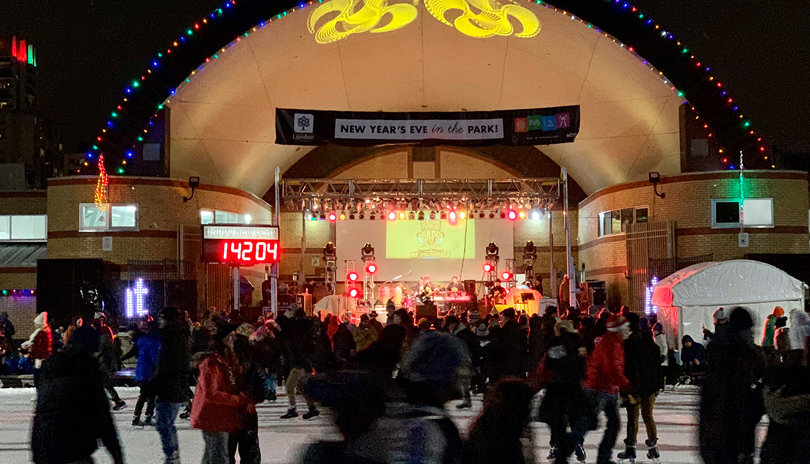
(21, 311)
(25, 202)
(688, 203)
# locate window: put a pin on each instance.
(24, 228)
(756, 212)
(114, 217)
(618, 221)
(223, 217)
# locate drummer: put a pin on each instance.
(455, 285)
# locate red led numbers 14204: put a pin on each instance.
(240, 245)
(249, 251)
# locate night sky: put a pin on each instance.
(87, 50)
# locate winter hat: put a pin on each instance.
(85, 338)
(41, 319)
(245, 329)
(564, 326)
(434, 358)
(616, 322)
(740, 319)
(781, 322)
(720, 316)
(778, 311)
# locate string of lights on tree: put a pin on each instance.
(210, 37)
(10, 292)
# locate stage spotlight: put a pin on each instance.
(342, 216)
(492, 215)
(511, 214)
(329, 251)
(488, 267)
(506, 276)
(371, 267)
(372, 217)
(402, 215)
(362, 216)
(492, 251)
(367, 252)
(351, 216)
(452, 216)
(432, 215)
(462, 215)
(352, 276)
(530, 249)
(421, 216)
(503, 215)
(522, 214)
(481, 215)
(411, 216)
(353, 292)
(323, 216)
(443, 216)
(332, 216)
(536, 215)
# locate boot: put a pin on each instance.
(579, 451)
(652, 451)
(119, 405)
(148, 420)
(186, 412)
(290, 413)
(313, 412)
(629, 454)
(136, 422)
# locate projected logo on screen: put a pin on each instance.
(429, 240)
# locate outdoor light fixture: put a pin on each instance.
(492, 251)
(367, 252)
(193, 182)
(655, 178)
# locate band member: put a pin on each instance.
(455, 285)
(428, 284)
(497, 292)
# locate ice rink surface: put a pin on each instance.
(282, 441)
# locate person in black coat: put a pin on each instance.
(642, 367)
(495, 435)
(345, 345)
(510, 347)
(172, 379)
(731, 404)
(72, 411)
(464, 334)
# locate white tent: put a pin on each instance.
(687, 298)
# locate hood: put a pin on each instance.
(687, 338)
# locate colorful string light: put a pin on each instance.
(102, 185)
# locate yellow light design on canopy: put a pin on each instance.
(492, 19)
(358, 16)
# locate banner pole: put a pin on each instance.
(274, 268)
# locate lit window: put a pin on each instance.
(112, 218)
(206, 217)
(5, 227)
(618, 221)
(25, 228)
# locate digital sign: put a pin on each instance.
(240, 245)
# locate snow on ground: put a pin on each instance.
(282, 441)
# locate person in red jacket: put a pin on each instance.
(39, 345)
(216, 410)
(605, 380)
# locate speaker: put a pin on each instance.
(469, 287)
(427, 310)
(69, 287)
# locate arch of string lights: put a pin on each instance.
(656, 48)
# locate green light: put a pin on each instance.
(680, 94)
(640, 16)
(189, 32)
(160, 55)
(120, 170)
(160, 107)
(219, 11)
(140, 139)
(95, 147)
(5, 292)
(114, 114)
(747, 124)
(685, 50)
(136, 84)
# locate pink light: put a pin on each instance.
(512, 215)
(392, 216)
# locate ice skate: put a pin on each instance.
(579, 451)
(313, 412)
(652, 451)
(290, 414)
(629, 454)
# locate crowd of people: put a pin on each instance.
(387, 385)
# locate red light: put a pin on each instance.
(452, 216)
(371, 268)
(761, 148)
(488, 267)
(512, 215)
(353, 292)
(248, 251)
(506, 275)
(332, 217)
(392, 216)
(352, 276)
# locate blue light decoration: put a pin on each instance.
(134, 300)
(648, 293)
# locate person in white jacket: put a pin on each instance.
(661, 341)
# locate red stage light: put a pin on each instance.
(332, 217)
(506, 275)
(488, 267)
(352, 276)
(512, 215)
(371, 268)
(353, 293)
(452, 216)
(392, 216)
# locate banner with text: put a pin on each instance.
(539, 126)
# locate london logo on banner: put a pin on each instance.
(537, 126)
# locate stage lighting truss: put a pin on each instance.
(396, 199)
